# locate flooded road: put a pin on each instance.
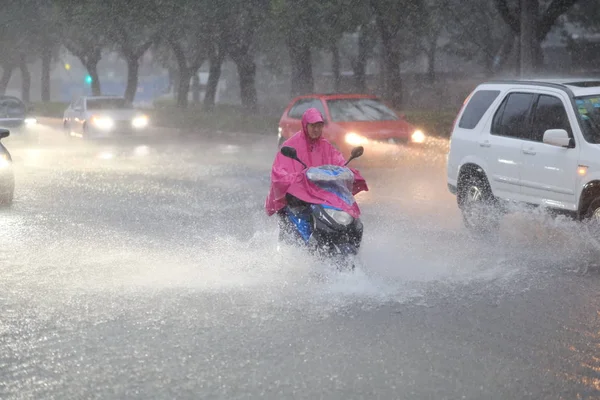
(146, 268)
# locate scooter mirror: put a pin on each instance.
(289, 152)
(357, 152)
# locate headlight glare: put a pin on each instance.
(355, 139)
(103, 122)
(140, 122)
(418, 136)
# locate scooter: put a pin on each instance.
(326, 231)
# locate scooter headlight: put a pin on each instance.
(341, 217)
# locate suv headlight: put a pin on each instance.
(341, 217)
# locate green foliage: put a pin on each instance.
(586, 15)
(404, 22)
(81, 26)
(26, 27)
(475, 29)
(51, 109)
(223, 118)
(434, 123)
(130, 26)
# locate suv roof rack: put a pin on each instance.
(557, 85)
(584, 84)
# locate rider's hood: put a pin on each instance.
(310, 116)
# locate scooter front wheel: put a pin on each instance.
(344, 263)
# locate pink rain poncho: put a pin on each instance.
(289, 176)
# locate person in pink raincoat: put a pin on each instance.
(288, 177)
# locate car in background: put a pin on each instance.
(351, 120)
(16, 116)
(7, 175)
(101, 116)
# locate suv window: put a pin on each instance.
(304, 104)
(478, 105)
(588, 110)
(511, 118)
(549, 113)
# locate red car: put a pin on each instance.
(350, 120)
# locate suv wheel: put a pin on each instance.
(592, 222)
(481, 214)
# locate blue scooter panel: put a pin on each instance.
(302, 223)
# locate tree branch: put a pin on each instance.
(144, 48)
(179, 53)
(511, 19)
(554, 10)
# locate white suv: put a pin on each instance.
(529, 142)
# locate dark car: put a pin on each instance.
(15, 115)
(7, 176)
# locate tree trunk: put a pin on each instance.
(175, 78)
(538, 56)
(391, 60)
(92, 67)
(336, 66)
(393, 86)
(7, 71)
(196, 88)
(517, 66)
(171, 73)
(360, 64)
(46, 65)
(247, 75)
(183, 88)
(25, 80)
(214, 75)
(302, 76)
(133, 68)
(499, 61)
(529, 11)
(431, 56)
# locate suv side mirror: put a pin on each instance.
(4, 133)
(557, 137)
